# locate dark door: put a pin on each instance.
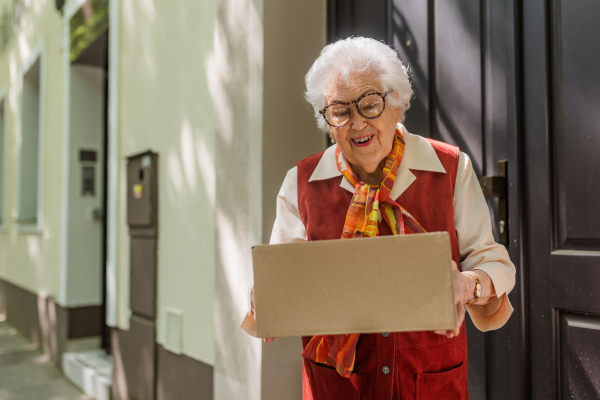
(562, 130)
(463, 57)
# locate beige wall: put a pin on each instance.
(295, 33)
(32, 260)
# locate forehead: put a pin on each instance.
(346, 90)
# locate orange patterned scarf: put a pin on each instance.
(339, 351)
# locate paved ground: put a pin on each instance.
(26, 374)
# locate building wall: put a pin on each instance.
(236, 77)
(201, 85)
(295, 33)
(191, 89)
(32, 260)
(165, 104)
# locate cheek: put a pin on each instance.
(387, 133)
(334, 135)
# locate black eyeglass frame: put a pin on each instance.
(355, 102)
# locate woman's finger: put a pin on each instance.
(460, 309)
(270, 339)
(252, 303)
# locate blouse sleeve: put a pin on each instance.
(288, 228)
(478, 249)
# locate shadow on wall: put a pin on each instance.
(235, 75)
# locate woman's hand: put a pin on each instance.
(267, 340)
(463, 291)
(464, 287)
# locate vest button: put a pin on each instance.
(385, 370)
(385, 334)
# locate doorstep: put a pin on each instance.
(90, 371)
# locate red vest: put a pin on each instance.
(421, 365)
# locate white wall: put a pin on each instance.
(236, 77)
(165, 105)
(31, 258)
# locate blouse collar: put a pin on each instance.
(418, 154)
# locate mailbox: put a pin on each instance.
(142, 219)
(142, 212)
(142, 196)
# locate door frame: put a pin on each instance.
(69, 11)
(508, 372)
(507, 365)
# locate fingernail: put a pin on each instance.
(439, 332)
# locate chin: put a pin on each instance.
(369, 167)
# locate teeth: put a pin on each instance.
(362, 140)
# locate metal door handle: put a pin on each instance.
(497, 186)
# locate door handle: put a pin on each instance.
(497, 186)
(97, 214)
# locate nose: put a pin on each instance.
(357, 121)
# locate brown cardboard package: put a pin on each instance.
(382, 284)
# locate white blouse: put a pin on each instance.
(472, 222)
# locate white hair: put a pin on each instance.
(354, 56)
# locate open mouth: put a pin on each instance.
(363, 141)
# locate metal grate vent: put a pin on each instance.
(173, 322)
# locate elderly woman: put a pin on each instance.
(360, 92)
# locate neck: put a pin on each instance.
(371, 178)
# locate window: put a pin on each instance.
(30, 146)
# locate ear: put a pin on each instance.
(397, 110)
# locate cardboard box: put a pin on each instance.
(382, 284)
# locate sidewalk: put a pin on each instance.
(26, 374)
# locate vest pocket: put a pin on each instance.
(447, 385)
(327, 384)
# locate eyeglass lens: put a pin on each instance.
(370, 106)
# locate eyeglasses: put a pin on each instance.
(369, 105)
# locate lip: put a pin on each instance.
(368, 142)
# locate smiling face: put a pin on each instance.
(364, 142)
